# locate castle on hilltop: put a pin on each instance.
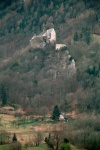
(41, 40)
(49, 36)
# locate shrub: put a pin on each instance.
(18, 115)
(65, 146)
(15, 146)
(64, 48)
(66, 140)
(14, 106)
(36, 82)
(71, 58)
(37, 119)
(46, 139)
(14, 65)
(86, 32)
(10, 109)
(26, 145)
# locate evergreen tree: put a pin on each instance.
(87, 37)
(66, 140)
(4, 101)
(56, 113)
(3, 96)
(76, 36)
(81, 35)
(14, 138)
(86, 32)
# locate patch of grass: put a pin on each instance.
(70, 122)
(41, 147)
(31, 123)
(3, 113)
(96, 37)
(4, 147)
(35, 148)
(44, 146)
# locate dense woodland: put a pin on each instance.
(27, 75)
(35, 79)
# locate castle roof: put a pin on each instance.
(44, 33)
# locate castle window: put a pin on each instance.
(49, 36)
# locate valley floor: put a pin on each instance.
(26, 132)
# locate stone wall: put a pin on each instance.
(58, 46)
(37, 42)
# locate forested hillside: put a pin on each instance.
(27, 76)
(20, 20)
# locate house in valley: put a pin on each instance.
(63, 117)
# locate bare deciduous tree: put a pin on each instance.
(57, 138)
(38, 138)
(4, 137)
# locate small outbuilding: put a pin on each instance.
(63, 117)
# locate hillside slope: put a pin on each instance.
(20, 20)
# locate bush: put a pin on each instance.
(37, 119)
(65, 146)
(14, 106)
(14, 65)
(15, 146)
(64, 48)
(18, 115)
(66, 140)
(10, 109)
(48, 141)
(26, 145)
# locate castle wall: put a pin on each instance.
(58, 46)
(37, 42)
(53, 36)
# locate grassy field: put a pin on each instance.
(41, 147)
(96, 38)
(25, 132)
